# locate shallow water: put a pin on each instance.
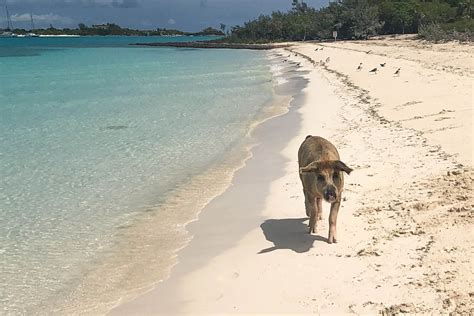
(93, 130)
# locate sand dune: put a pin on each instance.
(406, 224)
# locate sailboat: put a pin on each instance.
(31, 34)
(8, 32)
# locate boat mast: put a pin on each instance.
(32, 24)
(9, 21)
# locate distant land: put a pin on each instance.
(436, 21)
(114, 29)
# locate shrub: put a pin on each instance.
(443, 33)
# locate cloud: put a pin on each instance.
(125, 3)
(45, 18)
(82, 3)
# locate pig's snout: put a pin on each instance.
(330, 194)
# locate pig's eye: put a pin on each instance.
(321, 178)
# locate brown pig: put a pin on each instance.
(322, 176)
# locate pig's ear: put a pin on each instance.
(339, 165)
(312, 167)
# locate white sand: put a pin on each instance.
(406, 224)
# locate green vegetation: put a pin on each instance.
(114, 29)
(359, 19)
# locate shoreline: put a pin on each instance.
(397, 250)
(174, 237)
(261, 131)
(211, 45)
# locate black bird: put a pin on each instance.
(374, 70)
(360, 67)
(397, 73)
(383, 65)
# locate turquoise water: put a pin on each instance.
(92, 130)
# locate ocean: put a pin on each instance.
(106, 151)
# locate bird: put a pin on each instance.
(374, 70)
(368, 52)
(360, 67)
(397, 73)
(316, 49)
(328, 59)
(383, 65)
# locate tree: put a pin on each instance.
(359, 19)
(400, 16)
(436, 12)
(356, 19)
(301, 18)
(299, 6)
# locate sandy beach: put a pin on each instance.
(405, 226)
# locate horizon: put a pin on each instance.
(185, 15)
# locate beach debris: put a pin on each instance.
(369, 252)
(368, 52)
(360, 67)
(383, 65)
(374, 71)
(403, 308)
(328, 59)
(397, 73)
(449, 303)
(316, 49)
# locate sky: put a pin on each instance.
(186, 15)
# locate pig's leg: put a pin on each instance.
(332, 222)
(311, 212)
(319, 209)
(308, 203)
